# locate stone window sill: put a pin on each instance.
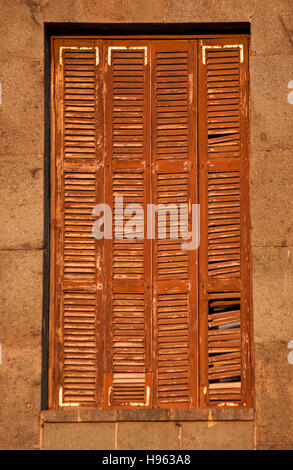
(80, 415)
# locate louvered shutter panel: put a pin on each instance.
(128, 260)
(173, 182)
(224, 249)
(76, 303)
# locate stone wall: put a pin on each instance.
(21, 229)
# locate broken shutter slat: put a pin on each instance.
(225, 326)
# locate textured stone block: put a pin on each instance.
(274, 395)
(274, 447)
(271, 27)
(21, 33)
(142, 12)
(142, 415)
(96, 415)
(78, 436)
(272, 294)
(21, 300)
(65, 415)
(21, 202)
(187, 11)
(21, 120)
(271, 113)
(218, 435)
(148, 435)
(110, 11)
(20, 391)
(65, 11)
(272, 198)
(231, 11)
(211, 414)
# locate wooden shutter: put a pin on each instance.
(224, 250)
(76, 303)
(174, 182)
(123, 311)
(128, 261)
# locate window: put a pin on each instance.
(145, 322)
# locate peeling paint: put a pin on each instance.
(190, 80)
(227, 404)
(290, 95)
(290, 355)
(252, 11)
(167, 11)
(211, 424)
(109, 395)
(99, 268)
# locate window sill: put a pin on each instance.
(90, 415)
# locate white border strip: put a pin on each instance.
(222, 47)
(111, 48)
(80, 49)
(61, 400)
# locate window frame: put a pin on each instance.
(168, 37)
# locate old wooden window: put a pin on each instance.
(140, 322)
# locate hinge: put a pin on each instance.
(226, 46)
